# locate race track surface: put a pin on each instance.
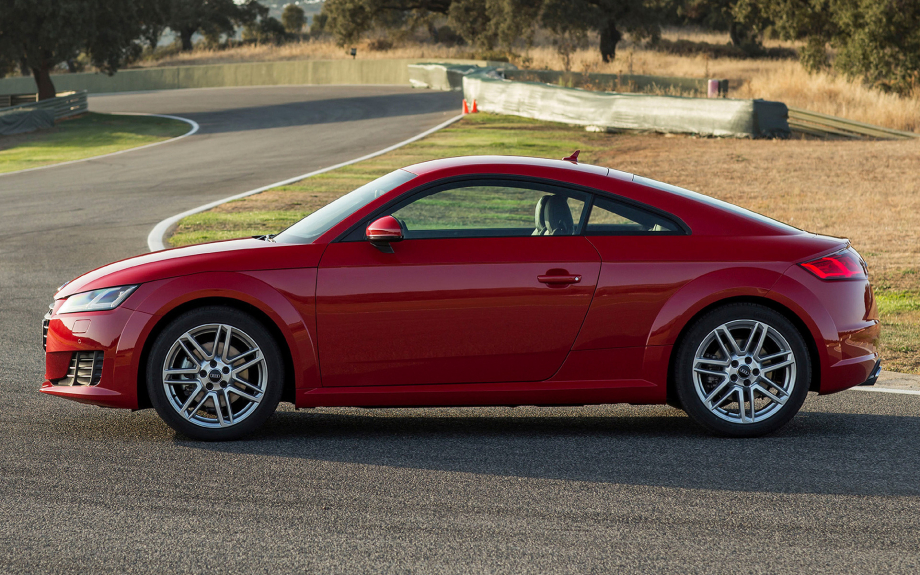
(525, 490)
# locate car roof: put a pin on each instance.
(483, 163)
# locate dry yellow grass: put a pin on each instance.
(306, 50)
(835, 95)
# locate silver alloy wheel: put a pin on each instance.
(215, 375)
(744, 371)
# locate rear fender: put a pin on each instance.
(814, 314)
(706, 290)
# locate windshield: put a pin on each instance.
(716, 203)
(323, 219)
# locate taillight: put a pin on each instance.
(845, 265)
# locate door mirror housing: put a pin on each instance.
(383, 231)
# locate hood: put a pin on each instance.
(232, 255)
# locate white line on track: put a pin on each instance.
(888, 390)
(157, 236)
(191, 123)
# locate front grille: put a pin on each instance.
(85, 369)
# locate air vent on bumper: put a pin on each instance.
(85, 369)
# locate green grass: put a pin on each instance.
(897, 301)
(84, 137)
(897, 295)
(212, 226)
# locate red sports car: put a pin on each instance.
(477, 281)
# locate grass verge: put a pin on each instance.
(862, 190)
(84, 137)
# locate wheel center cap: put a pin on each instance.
(744, 371)
(214, 375)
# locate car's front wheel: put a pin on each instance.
(215, 373)
(742, 370)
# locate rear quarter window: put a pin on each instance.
(609, 217)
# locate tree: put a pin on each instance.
(744, 20)
(293, 19)
(266, 30)
(486, 23)
(44, 33)
(876, 40)
(154, 17)
(348, 19)
(212, 17)
(569, 21)
(318, 25)
(879, 40)
(471, 19)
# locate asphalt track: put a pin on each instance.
(526, 490)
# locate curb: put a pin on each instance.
(156, 239)
(191, 123)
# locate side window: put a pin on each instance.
(613, 218)
(493, 209)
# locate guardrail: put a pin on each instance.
(64, 105)
(823, 125)
(15, 99)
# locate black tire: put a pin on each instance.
(226, 396)
(697, 380)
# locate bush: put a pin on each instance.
(449, 37)
(380, 45)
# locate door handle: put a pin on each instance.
(559, 280)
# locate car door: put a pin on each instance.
(491, 283)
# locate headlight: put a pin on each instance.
(97, 300)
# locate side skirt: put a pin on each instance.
(638, 391)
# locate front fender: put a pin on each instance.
(286, 297)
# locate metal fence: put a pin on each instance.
(65, 105)
(823, 125)
(15, 99)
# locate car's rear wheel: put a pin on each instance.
(742, 370)
(215, 373)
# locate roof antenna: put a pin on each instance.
(573, 158)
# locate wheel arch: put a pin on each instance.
(804, 331)
(288, 392)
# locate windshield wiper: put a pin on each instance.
(266, 238)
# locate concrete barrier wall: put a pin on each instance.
(220, 75)
(704, 116)
(439, 76)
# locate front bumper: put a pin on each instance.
(89, 357)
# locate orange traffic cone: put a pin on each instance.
(466, 108)
(475, 109)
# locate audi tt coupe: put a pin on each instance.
(477, 281)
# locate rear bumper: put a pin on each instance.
(851, 372)
(842, 318)
(873, 377)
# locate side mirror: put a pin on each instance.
(383, 231)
